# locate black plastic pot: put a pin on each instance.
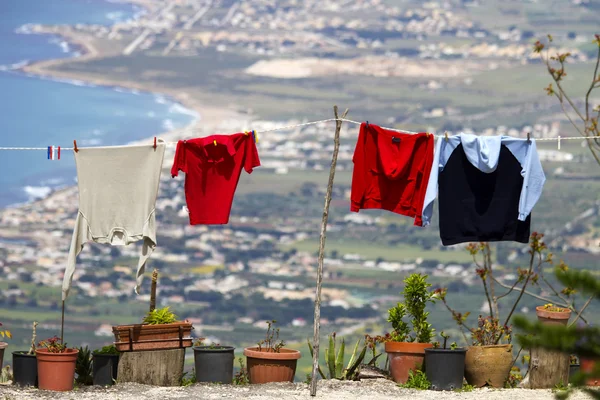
(214, 364)
(24, 368)
(445, 368)
(104, 369)
(573, 369)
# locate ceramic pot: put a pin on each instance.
(24, 368)
(264, 366)
(405, 356)
(552, 317)
(56, 371)
(488, 365)
(445, 368)
(214, 364)
(587, 365)
(153, 337)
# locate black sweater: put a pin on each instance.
(481, 207)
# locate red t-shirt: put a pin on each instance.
(212, 173)
(391, 171)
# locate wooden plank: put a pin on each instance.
(548, 368)
(152, 367)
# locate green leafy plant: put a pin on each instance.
(6, 376)
(188, 378)
(416, 296)
(53, 345)
(271, 342)
(107, 350)
(416, 380)
(83, 366)
(490, 332)
(372, 342)
(465, 388)
(5, 332)
(200, 342)
(160, 316)
(335, 359)
(514, 378)
(559, 387)
(241, 377)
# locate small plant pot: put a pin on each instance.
(587, 366)
(552, 317)
(214, 364)
(104, 369)
(264, 366)
(445, 368)
(404, 357)
(24, 369)
(3, 346)
(573, 369)
(56, 371)
(488, 365)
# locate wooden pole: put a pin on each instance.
(62, 323)
(317, 321)
(153, 290)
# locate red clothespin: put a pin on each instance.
(58, 153)
(154, 143)
(75, 149)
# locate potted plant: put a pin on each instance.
(105, 363)
(55, 365)
(3, 345)
(270, 361)
(445, 367)
(25, 364)
(487, 361)
(550, 314)
(159, 330)
(213, 363)
(406, 350)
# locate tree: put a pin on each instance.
(584, 120)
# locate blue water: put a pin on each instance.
(39, 112)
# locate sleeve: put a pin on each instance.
(432, 185)
(179, 163)
(359, 171)
(533, 181)
(81, 234)
(251, 159)
(426, 171)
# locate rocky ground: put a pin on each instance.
(371, 389)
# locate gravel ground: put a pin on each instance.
(366, 389)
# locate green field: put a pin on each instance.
(372, 251)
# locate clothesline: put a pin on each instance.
(283, 128)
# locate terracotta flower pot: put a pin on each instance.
(488, 365)
(552, 317)
(405, 356)
(587, 366)
(264, 366)
(56, 371)
(153, 337)
(3, 345)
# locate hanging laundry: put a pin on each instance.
(487, 188)
(213, 166)
(391, 171)
(117, 195)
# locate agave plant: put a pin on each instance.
(335, 360)
(83, 366)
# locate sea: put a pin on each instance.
(41, 112)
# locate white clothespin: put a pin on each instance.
(558, 142)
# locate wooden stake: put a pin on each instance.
(317, 321)
(153, 290)
(62, 323)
